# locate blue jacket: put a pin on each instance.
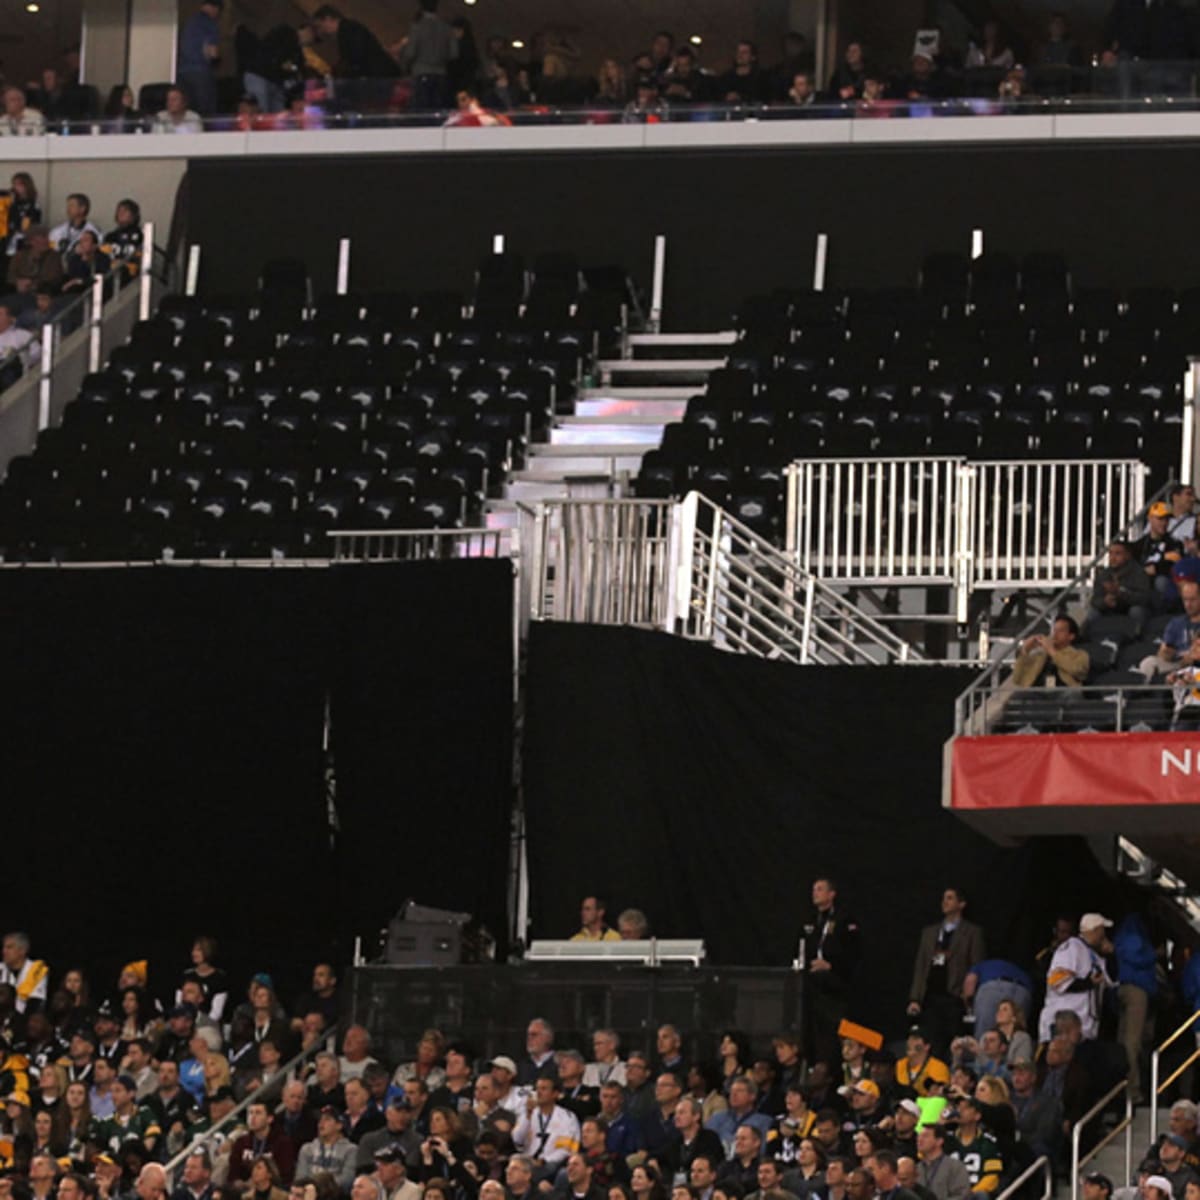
(725, 1124)
(1191, 984)
(624, 1137)
(1135, 954)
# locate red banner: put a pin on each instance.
(1075, 770)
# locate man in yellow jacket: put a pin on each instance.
(1055, 658)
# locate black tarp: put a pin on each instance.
(709, 789)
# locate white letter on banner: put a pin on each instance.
(1182, 765)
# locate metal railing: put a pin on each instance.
(1074, 593)
(601, 561)
(1157, 1087)
(1125, 708)
(946, 521)
(1041, 1164)
(419, 545)
(740, 591)
(260, 1093)
(1125, 1125)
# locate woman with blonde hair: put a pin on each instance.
(1011, 1022)
(612, 89)
(427, 1065)
(216, 1072)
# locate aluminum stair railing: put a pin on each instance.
(1157, 1086)
(1125, 1125)
(737, 590)
(1039, 1164)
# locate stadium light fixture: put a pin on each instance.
(696, 39)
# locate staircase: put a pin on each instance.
(620, 412)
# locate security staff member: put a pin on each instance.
(831, 950)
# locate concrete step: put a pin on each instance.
(606, 431)
(637, 392)
(662, 411)
(573, 461)
(648, 345)
(697, 369)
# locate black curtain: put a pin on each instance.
(422, 709)
(710, 788)
(163, 762)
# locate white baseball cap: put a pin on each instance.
(1162, 1183)
(1090, 921)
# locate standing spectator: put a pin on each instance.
(19, 120)
(362, 61)
(846, 83)
(427, 52)
(1078, 976)
(1060, 49)
(177, 117)
(1136, 988)
(662, 53)
(29, 976)
(322, 997)
(991, 50)
(831, 949)
(797, 60)
(64, 236)
(744, 82)
(945, 954)
(199, 52)
(463, 69)
(1054, 660)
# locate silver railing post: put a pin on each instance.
(343, 266)
(146, 272)
(819, 261)
(45, 384)
(193, 271)
(656, 293)
(97, 324)
(1187, 451)
(683, 560)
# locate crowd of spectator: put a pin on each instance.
(43, 266)
(297, 76)
(102, 1089)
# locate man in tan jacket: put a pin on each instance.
(1055, 657)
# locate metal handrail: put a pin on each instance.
(963, 702)
(1039, 1164)
(199, 1142)
(1124, 1125)
(1157, 1088)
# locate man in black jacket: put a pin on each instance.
(362, 62)
(831, 950)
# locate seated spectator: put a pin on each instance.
(36, 264)
(582, 1099)
(1172, 1152)
(612, 88)
(360, 1117)
(471, 113)
(991, 49)
(23, 210)
(64, 236)
(686, 84)
(864, 1101)
(744, 82)
(633, 925)
(593, 928)
(1156, 551)
(1054, 660)
(356, 1053)
(944, 1176)
(177, 117)
(15, 341)
(391, 1169)
(49, 95)
(607, 1065)
(1180, 642)
(741, 1111)
(121, 113)
(546, 1131)
(919, 1068)
(1122, 587)
(797, 60)
(847, 80)
(801, 92)
(624, 1134)
(1181, 524)
(975, 1149)
(924, 80)
(331, 1151)
(703, 1178)
(261, 1138)
(129, 1121)
(85, 262)
(647, 105)
(769, 1179)
(742, 1165)
(704, 1082)
(874, 101)
(123, 245)
(1059, 50)
(426, 1066)
(19, 120)
(990, 983)
(397, 1130)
